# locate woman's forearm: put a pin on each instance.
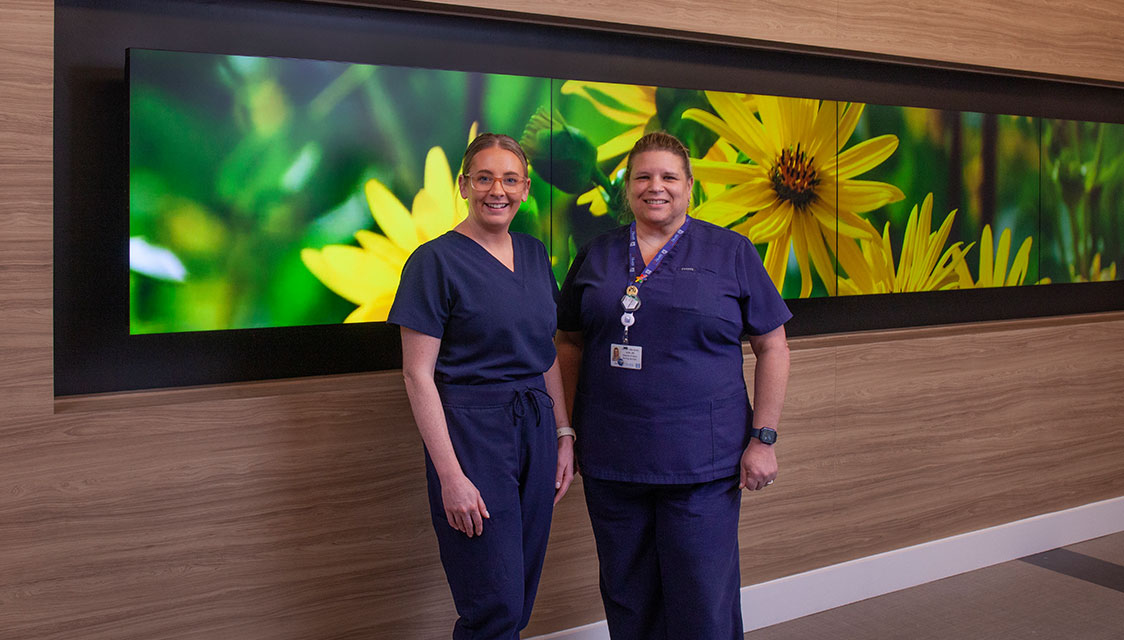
(425, 402)
(419, 358)
(554, 387)
(770, 377)
(569, 345)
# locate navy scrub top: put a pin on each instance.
(684, 416)
(495, 325)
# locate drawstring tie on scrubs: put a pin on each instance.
(528, 395)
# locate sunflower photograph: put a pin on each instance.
(277, 192)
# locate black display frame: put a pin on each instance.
(93, 349)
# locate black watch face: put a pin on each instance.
(767, 436)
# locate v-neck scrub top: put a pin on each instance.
(684, 416)
(495, 324)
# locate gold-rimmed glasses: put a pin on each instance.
(482, 181)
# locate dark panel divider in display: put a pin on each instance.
(891, 311)
(94, 351)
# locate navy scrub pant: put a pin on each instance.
(669, 558)
(504, 438)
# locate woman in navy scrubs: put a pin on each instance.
(477, 313)
(651, 318)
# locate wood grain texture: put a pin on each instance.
(25, 173)
(284, 515)
(1083, 40)
(1063, 38)
(296, 509)
(941, 434)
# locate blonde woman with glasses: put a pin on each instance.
(476, 310)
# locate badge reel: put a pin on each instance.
(624, 355)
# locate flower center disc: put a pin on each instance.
(794, 178)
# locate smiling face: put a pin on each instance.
(659, 188)
(492, 209)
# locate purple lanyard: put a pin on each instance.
(634, 253)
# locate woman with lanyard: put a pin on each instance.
(476, 308)
(651, 318)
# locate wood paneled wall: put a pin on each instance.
(296, 509)
(1083, 40)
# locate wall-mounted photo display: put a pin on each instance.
(276, 192)
(237, 185)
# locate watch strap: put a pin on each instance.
(767, 435)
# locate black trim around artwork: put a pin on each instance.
(93, 349)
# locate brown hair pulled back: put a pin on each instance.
(659, 141)
(489, 140)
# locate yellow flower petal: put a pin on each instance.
(368, 275)
(431, 219)
(775, 126)
(821, 259)
(916, 232)
(722, 151)
(638, 103)
(801, 115)
(441, 185)
(860, 196)
(800, 242)
(376, 310)
(776, 258)
(741, 127)
(848, 122)
(744, 198)
(986, 261)
(933, 256)
(963, 275)
(924, 264)
(823, 134)
(315, 263)
(596, 202)
(805, 192)
(1020, 265)
(619, 145)
(351, 272)
(626, 94)
(887, 256)
(770, 223)
(865, 156)
(859, 270)
(391, 216)
(720, 212)
(1001, 254)
(727, 172)
(851, 225)
(378, 245)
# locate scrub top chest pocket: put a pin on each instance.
(691, 288)
(700, 291)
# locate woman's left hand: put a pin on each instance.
(758, 467)
(565, 473)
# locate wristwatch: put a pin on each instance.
(766, 435)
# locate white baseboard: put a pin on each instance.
(821, 589)
(593, 631)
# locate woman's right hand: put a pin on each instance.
(464, 506)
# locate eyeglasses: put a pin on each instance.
(484, 182)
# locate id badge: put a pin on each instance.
(625, 356)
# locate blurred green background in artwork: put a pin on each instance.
(1083, 195)
(268, 192)
(237, 164)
